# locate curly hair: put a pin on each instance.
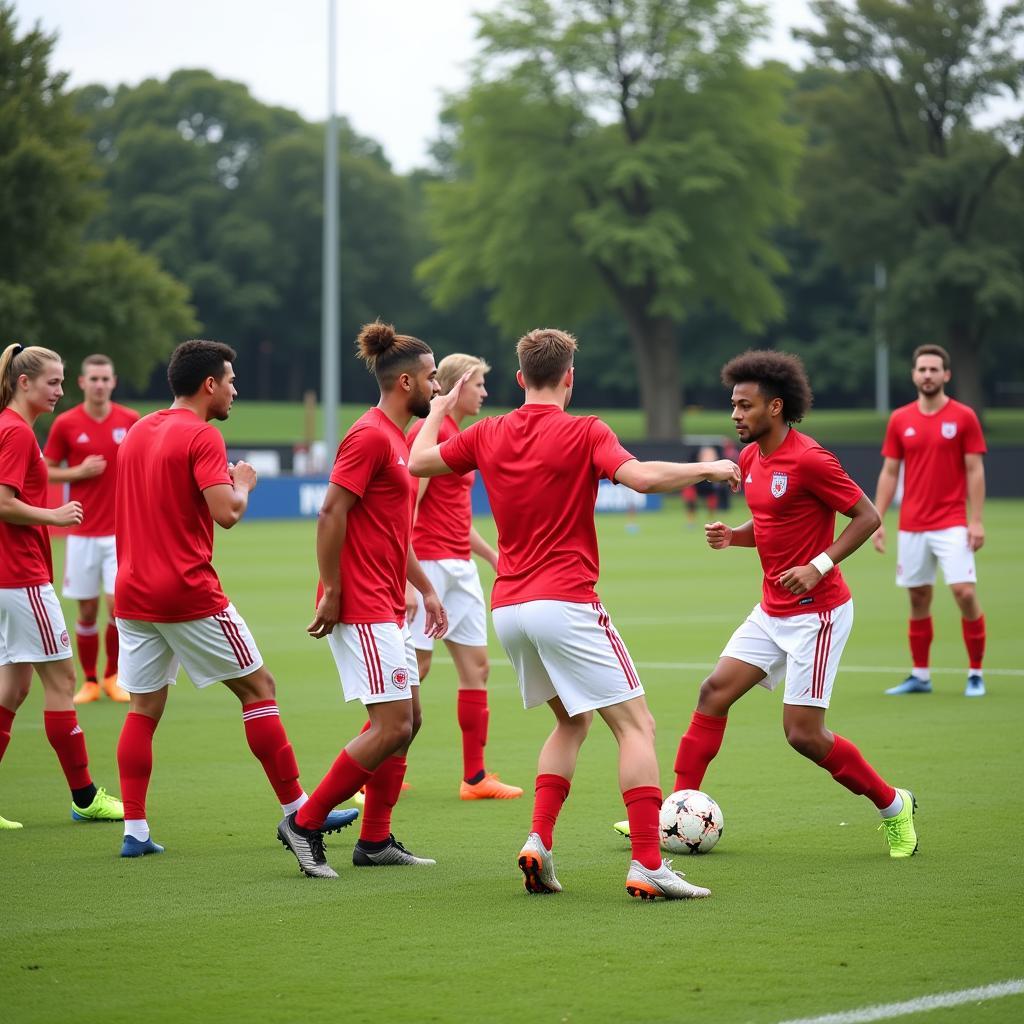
(777, 375)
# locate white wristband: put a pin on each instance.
(822, 563)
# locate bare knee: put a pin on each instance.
(920, 600)
(713, 698)
(424, 659)
(965, 596)
(257, 686)
(414, 725)
(811, 742)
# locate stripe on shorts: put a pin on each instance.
(821, 652)
(617, 646)
(35, 599)
(374, 671)
(234, 637)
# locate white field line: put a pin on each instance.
(923, 1004)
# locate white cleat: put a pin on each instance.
(538, 866)
(663, 883)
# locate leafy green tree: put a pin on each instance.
(617, 155)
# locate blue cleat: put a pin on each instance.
(910, 685)
(337, 820)
(975, 687)
(132, 847)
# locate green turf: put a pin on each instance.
(809, 915)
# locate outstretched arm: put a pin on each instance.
(425, 456)
(662, 477)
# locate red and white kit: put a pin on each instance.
(168, 600)
(542, 467)
(793, 495)
(933, 516)
(31, 622)
(440, 538)
(371, 644)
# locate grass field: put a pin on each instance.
(809, 915)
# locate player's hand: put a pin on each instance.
(975, 536)
(442, 405)
(90, 466)
(328, 610)
(68, 515)
(243, 475)
(878, 539)
(800, 579)
(412, 601)
(718, 535)
(724, 472)
(437, 618)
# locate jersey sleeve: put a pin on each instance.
(829, 482)
(209, 459)
(18, 449)
(57, 442)
(607, 454)
(460, 451)
(892, 446)
(361, 455)
(974, 439)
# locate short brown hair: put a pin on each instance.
(97, 359)
(388, 355)
(931, 350)
(545, 354)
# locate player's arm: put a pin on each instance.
(228, 502)
(425, 455)
(480, 547)
(719, 536)
(17, 512)
(90, 466)
(975, 499)
(436, 624)
(665, 477)
(885, 491)
(331, 528)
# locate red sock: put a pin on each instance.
(697, 749)
(345, 777)
(472, 709)
(112, 645)
(87, 640)
(846, 764)
(643, 805)
(6, 721)
(550, 792)
(68, 741)
(382, 791)
(920, 632)
(269, 742)
(135, 762)
(974, 640)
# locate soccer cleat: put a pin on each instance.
(900, 831)
(308, 849)
(975, 687)
(5, 824)
(661, 883)
(910, 685)
(538, 866)
(104, 807)
(337, 820)
(87, 692)
(392, 855)
(132, 847)
(490, 787)
(622, 827)
(114, 691)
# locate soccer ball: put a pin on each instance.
(690, 822)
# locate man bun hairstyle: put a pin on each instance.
(454, 365)
(545, 356)
(17, 359)
(931, 350)
(194, 361)
(388, 355)
(777, 375)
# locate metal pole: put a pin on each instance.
(881, 346)
(330, 371)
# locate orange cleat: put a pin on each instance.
(490, 787)
(114, 692)
(88, 692)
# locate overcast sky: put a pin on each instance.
(396, 57)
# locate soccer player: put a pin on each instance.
(86, 439)
(364, 554)
(174, 483)
(941, 446)
(32, 631)
(794, 488)
(443, 538)
(542, 468)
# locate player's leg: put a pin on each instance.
(915, 570)
(15, 682)
(111, 643)
(82, 584)
(958, 569)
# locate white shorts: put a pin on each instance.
(32, 626)
(918, 553)
(210, 650)
(457, 583)
(566, 650)
(802, 649)
(376, 661)
(89, 564)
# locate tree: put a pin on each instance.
(617, 154)
(900, 172)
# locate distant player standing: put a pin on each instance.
(364, 555)
(86, 439)
(443, 538)
(542, 468)
(940, 443)
(794, 488)
(174, 483)
(32, 631)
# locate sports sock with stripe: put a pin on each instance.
(68, 741)
(269, 743)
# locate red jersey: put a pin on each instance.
(373, 463)
(445, 515)
(163, 525)
(73, 436)
(26, 560)
(793, 495)
(932, 447)
(541, 467)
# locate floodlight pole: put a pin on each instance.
(330, 370)
(881, 346)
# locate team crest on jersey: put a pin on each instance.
(780, 481)
(400, 677)
(909, 432)
(948, 430)
(119, 433)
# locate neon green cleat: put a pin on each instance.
(900, 831)
(5, 824)
(622, 827)
(104, 807)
